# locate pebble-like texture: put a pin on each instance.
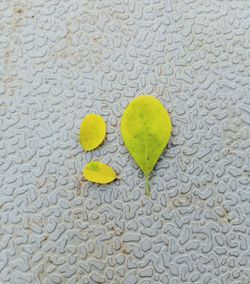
(62, 59)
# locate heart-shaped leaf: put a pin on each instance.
(92, 131)
(146, 129)
(98, 172)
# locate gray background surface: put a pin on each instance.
(60, 60)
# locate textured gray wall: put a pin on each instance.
(60, 60)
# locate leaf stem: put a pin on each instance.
(147, 190)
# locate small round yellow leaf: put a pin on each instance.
(98, 172)
(92, 131)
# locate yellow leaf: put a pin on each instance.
(92, 131)
(98, 172)
(146, 129)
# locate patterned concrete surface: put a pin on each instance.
(62, 59)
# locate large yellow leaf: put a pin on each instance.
(98, 172)
(146, 129)
(92, 131)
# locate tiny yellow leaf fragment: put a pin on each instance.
(146, 129)
(92, 131)
(98, 172)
